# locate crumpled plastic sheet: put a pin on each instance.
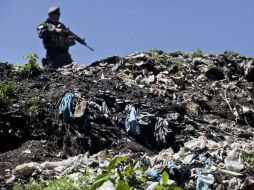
(157, 177)
(204, 182)
(234, 183)
(174, 117)
(199, 143)
(162, 129)
(171, 167)
(65, 106)
(131, 123)
(208, 161)
(154, 175)
(105, 109)
(234, 161)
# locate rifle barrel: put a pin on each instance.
(80, 40)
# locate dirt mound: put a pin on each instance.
(144, 102)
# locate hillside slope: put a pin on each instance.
(144, 103)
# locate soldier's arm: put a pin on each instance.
(44, 30)
(70, 39)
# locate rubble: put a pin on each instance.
(191, 116)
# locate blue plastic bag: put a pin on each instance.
(131, 123)
(65, 106)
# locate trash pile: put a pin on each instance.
(191, 115)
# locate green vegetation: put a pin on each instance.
(6, 90)
(103, 140)
(197, 53)
(230, 53)
(65, 183)
(249, 158)
(32, 64)
(33, 110)
(127, 176)
(155, 56)
(179, 63)
(186, 54)
(32, 185)
(30, 67)
(164, 185)
(124, 175)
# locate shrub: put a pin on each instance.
(6, 90)
(197, 53)
(127, 176)
(33, 110)
(178, 63)
(249, 158)
(31, 67)
(65, 183)
(165, 185)
(32, 64)
(123, 174)
(155, 56)
(32, 185)
(229, 53)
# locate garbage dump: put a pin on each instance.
(185, 118)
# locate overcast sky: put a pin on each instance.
(118, 27)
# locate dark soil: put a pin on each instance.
(29, 118)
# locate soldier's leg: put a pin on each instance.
(66, 59)
(44, 62)
(56, 60)
(51, 59)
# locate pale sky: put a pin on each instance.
(118, 27)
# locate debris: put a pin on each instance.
(191, 116)
(65, 107)
(234, 161)
(204, 182)
(131, 123)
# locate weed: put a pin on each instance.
(197, 53)
(65, 183)
(124, 175)
(33, 110)
(165, 185)
(186, 54)
(179, 63)
(31, 67)
(230, 53)
(155, 56)
(16, 186)
(32, 64)
(249, 158)
(6, 90)
(33, 185)
(103, 140)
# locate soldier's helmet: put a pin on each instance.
(54, 10)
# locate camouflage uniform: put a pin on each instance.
(57, 45)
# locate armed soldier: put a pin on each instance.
(55, 40)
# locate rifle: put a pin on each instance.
(78, 39)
